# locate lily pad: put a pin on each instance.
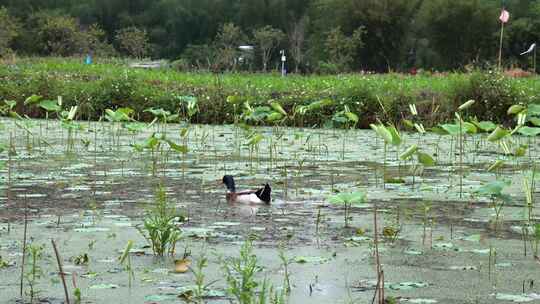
(413, 252)
(443, 246)
(227, 223)
(257, 228)
(161, 298)
(358, 239)
(91, 229)
(161, 271)
(472, 238)
(479, 251)
(32, 195)
(310, 259)
(420, 301)
(104, 286)
(463, 268)
(520, 230)
(503, 265)
(408, 285)
(197, 232)
(89, 275)
(188, 290)
(513, 298)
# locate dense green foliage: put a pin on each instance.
(98, 87)
(390, 34)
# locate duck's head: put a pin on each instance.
(228, 180)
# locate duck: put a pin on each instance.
(259, 196)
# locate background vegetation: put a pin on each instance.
(324, 36)
(95, 88)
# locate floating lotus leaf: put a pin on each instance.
(529, 131)
(310, 259)
(104, 286)
(407, 285)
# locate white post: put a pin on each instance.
(283, 59)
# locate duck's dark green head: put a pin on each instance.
(228, 180)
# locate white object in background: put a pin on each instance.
(531, 48)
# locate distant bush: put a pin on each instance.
(133, 41)
(328, 68)
(94, 41)
(49, 34)
(9, 30)
(181, 65)
(494, 94)
(199, 56)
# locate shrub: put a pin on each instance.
(110, 85)
(180, 65)
(328, 68)
(133, 41)
(494, 94)
(200, 56)
(363, 101)
(94, 41)
(9, 30)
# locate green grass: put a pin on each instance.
(111, 84)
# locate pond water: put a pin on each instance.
(438, 244)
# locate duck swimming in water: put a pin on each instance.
(259, 196)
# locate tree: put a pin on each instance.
(267, 39)
(94, 40)
(9, 30)
(58, 35)
(342, 49)
(297, 38)
(460, 31)
(400, 34)
(227, 41)
(387, 24)
(133, 41)
(199, 56)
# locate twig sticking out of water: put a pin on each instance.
(60, 270)
(8, 190)
(376, 290)
(24, 246)
(380, 275)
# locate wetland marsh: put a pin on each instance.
(439, 240)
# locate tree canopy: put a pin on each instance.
(375, 35)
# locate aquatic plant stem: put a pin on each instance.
(10, 152)
(60, 270)
(318, 221)
(24, 246)
(8, 190)
(376, 290)
(382, 287)
(384, 166)
(524, 234)
(489, 262)
(377, 257)
(460, 158)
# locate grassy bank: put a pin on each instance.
(110, 85)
